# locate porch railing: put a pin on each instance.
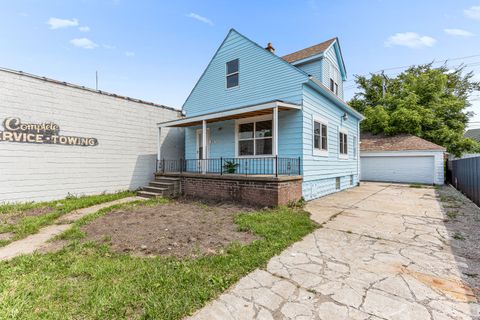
(274, 166)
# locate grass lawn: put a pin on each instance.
(31, 224)
(89, 281)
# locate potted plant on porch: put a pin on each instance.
(230, 166)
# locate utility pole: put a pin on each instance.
(96, 80)
(383, 84)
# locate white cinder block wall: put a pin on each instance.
(126, 132)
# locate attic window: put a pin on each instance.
(232, 73)
(333, 86)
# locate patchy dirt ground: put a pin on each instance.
(462, 220)
(9, 219)
(182, 228)
(14, 217)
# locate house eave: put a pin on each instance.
(307, 59)
(235, 113)
(319, 86)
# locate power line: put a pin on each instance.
(433, 62)
(474, 64)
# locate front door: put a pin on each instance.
(202, 165)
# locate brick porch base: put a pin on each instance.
(256, 190)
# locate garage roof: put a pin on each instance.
(401, 142)
(473, 133)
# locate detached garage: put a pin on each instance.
(401, 158)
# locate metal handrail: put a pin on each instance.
(274, 166)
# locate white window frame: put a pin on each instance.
(335, 77)
(249, 120)
(338, 183)
(315, 151)
(231, 74)
(342, 155)
(355, 147)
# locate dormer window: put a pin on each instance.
(232, 73)
(333, 86)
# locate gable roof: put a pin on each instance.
(400, 142)
(308, 79)
(473, 133)
(317, 50)
(232, 30)
(308, 52)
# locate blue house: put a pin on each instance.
(254, 115)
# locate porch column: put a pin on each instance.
(204, 146)
(275, 137)
(275, 131)
(159, 147)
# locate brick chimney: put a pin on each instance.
(270, 48)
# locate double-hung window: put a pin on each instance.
(343, 144)
(332, 85)
(232, 73)
(355, 147)
(334, 77)
(320, 137)
(255, 138)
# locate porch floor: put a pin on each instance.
(231, 176)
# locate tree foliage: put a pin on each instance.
(425, 101)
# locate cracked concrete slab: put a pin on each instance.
(383, 252)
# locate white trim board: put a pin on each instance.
(319, 152)
(247, 120)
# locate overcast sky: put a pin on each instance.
(156, 50)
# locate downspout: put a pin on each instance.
(358, 151)
(159, 148)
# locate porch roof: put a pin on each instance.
(236, 113)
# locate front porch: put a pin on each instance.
(236, 154)
(257, 190)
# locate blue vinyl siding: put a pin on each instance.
(328, 62)
(263, 77)
(222, 137)
(313, 68)
(319, 172)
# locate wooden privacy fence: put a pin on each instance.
(464, 174)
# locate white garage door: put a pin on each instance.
(417, 169)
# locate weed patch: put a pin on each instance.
(88, 280)
(31, 224)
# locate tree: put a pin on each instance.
(425, 101)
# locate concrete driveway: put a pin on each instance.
(383, 252)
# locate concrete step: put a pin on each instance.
(147, 194)
(160, 184)
(160, 187)
(159, 190)
(158, 177)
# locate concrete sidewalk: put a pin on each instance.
(383, 252)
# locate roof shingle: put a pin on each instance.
(473, 133)
(308, 52)
(401, 142)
